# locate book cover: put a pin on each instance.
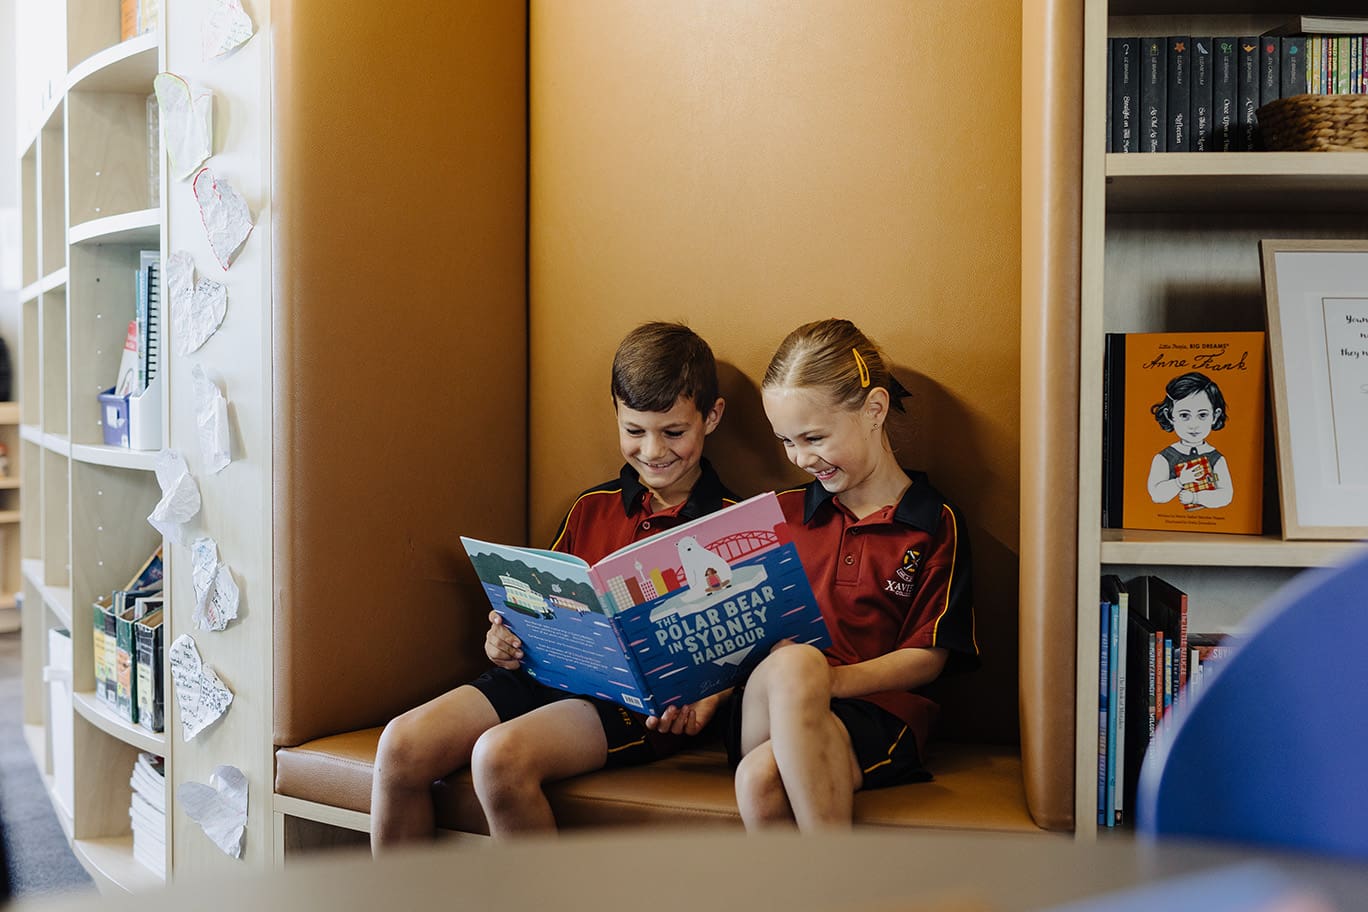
(1247, 88)
(1179, 134)
(1103, 686)
(1116, 589)
(1109, 129)
(125, 678)
(664, 621)
(104, 675)
(1139, 725)
(147, 634)
(1185, 431)
(1200, 105)
(1224, 95)
(1126, 95)
(1153, 95)
(1292, 67)
(1112, 599)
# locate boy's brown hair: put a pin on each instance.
(659, 362)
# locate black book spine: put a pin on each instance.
(1270, 76)
(1126, 95)
(1179, 98)
(1292, 67)
(1199, 125)
(1153, 92)
(1224, 94)
(1113, 430)
(1247, 87)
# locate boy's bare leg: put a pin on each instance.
(760, 790)
(810, 746)
(512, 762)
(417, 748)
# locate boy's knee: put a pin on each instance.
(798, 671)
(401, 753)
(503, 755)
(757, 775)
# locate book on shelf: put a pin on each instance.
(664, 621)
(1292, 66)
(105, 612)
(147, 636)
(1103, 705)
(1179, 95)
(147, 811)
(1165, 606)
(1153, 95)
(1199, 125)
(1125, 94)
(1247, 88)
(1224, 95)
(1140, 718)
(1270, 69)
(126, 380)
(1183, 431)
(147, 316)
(1321, 25)
(1114, 591)
(128, 696)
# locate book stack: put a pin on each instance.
(1146, 666)
(1201, 94)
(147, 812)
(115, 617)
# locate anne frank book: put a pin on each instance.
(1183, 431)
(664, 621)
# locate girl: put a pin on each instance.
(1190, 468)
(888, 558)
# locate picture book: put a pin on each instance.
(664, 621)
(1183, 432)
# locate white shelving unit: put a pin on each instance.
(88, 208)
(1170, 242)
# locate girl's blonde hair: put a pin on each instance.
(835, 357)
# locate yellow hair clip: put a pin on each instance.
(863, 368)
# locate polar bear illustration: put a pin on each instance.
(704, 570)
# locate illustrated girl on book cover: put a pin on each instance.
(1191, 469)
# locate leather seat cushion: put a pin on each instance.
(977, 787)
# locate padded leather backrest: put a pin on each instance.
(749, 167)
(400, 345)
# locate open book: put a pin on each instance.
(664, 621)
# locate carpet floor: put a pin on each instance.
(40, 860)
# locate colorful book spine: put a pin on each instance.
(1153, 95)
(1179, 134)
(1199, 123)
(1103, 682)
(1112, 716)
(1122, 617)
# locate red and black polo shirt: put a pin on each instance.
(898, 578)
(617, 513)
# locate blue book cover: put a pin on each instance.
(1112, 673)
(663, 622)
(1103, 681)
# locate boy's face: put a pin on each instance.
(665, 447)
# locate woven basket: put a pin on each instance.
(1315, 123)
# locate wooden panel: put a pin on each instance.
(107, 133)
(53, 340)
(750, 167)
(52, 202)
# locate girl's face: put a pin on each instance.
(1193, 417)
(836, 446)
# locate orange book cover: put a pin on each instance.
(1183, 431)
(128, 19)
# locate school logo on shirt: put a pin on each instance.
(904, 581)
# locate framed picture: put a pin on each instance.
(1317, 298)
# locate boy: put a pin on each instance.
(517, 734)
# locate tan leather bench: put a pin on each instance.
(976, 787)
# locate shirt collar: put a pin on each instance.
(920, 506)
(708, 495)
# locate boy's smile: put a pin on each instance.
(666, 448)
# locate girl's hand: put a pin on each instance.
(1186, 497)
(502, 647)
(1190, 475)
(689, 719)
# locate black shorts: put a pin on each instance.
(885, 749)
(630, 742)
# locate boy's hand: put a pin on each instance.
(689, 719)
(502, 647)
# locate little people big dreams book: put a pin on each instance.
(664, 621)
(1183, 431)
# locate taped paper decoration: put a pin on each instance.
(180, 500)
(200, 695)
(211, 419)
(197, 307)
(224, 213)
(226, 25)
(220, 808)
(216, 592)
(187, 123)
